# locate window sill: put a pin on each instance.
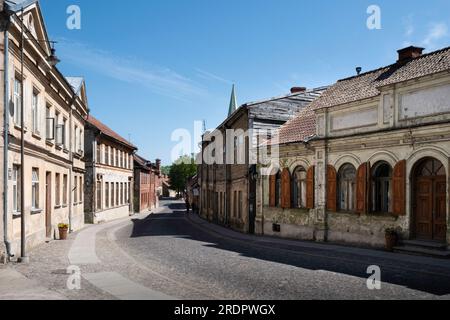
(58, 147)
(16, 215)
(49, 142)
(66, 151)
(36, 135)
(18, 127)
(58, 207)
(64, 206)
(36, 211)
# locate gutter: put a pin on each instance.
(6, 139)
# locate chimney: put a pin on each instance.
(158, 164)
(409, 53)
(297, 89)
(358, 70)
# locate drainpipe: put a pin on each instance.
(6, 139)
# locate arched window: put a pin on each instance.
(381, 187)
(299, 188)
(278, 189)
(347, 188)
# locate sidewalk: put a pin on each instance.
(311, 248)
(15, 286)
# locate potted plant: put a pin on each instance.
(391, 239)
(63, 231)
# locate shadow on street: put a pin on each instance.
(433, 279)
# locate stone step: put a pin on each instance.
(414, 250)
(425, 244)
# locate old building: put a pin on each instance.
(193, 193)
(54, 108)
(109, 173)
(372, 153)
(228, 166)
(146, 183)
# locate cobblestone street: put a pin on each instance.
(170, 255)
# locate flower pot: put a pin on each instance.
(391, 241)
(63, 233)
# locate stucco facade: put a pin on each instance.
(109, 174)
(404, 127)
(54, 111)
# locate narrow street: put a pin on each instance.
(171, 255)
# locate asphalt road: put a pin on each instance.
(182, 257)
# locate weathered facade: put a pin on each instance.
(372, 153)
(109, 173)
(146, 182)
(53, 117)
(227, 178)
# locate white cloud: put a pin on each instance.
(210, 76)
(408, 23)
(437, 32)
(160, 80)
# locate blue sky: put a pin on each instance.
(161, 65)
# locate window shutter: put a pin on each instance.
(272, 187)
(361, 188)
(286, 189)
(310, 188)
(331, 189)
(399, 188)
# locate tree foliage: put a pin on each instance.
(180, 171)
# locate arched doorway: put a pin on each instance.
(430, 200)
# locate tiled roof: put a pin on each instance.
(107, 131)
(364, 86)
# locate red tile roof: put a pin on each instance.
(108, 131)
(364, 86)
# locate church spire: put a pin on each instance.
(233, 102)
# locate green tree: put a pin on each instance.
(180, 171)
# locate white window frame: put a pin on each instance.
(35, 111)
(35, 189)
(18, 87)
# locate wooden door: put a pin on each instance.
(440, 210)
(424, 209)
(48, 204)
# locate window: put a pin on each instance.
(113, 204)
(65, 190)
(58, 189)
(16, 189)
(117, 194)
(64, 133)
(278, 189)
(240, 205)
(347, 188)
(99, 153)
(128, 192)
(116, 161)
(235, 204)
(75, 145)
(75, 190)
(381, 187)
(35, 189)
(99, 195)
(107, 155)
(49, 124)
(121, 194)
(17, 101)
(35, 112)
(299, 188)
(59, 130)
(80, 142)
(106, 195)
(81, 189)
